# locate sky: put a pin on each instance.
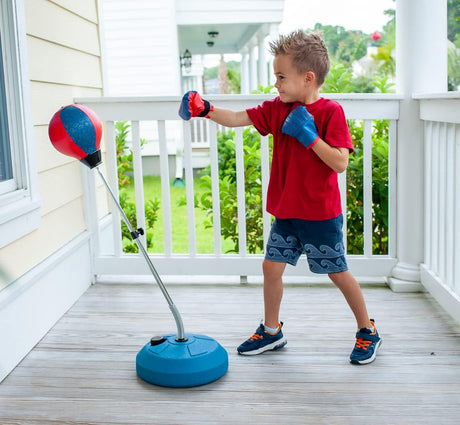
(305, 13)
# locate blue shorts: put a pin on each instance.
(321, 241)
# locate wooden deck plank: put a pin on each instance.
(83, 371)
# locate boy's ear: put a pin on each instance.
(309, 77)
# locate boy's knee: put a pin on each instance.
(273, 268)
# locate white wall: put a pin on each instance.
(141, 56)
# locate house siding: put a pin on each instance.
(46, 271)
(140, 48)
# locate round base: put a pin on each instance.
(197, 361)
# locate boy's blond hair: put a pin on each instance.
(308, 52)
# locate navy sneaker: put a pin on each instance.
(262, 341)
(367, 344)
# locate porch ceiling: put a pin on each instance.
(236, 21)
(231, 38)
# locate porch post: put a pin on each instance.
(421, 67)
(245, 71)
(263, 73)
(252, 67)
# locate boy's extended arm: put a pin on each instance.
(230, 118)
(193, 105)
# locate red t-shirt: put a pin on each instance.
(301, 184)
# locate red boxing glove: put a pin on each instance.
(193, 105)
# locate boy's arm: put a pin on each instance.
(301, 125)
(334, 157)
(230, 118)
(193, 105)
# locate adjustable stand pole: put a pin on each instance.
(135, 235)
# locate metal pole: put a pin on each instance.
(135, 236)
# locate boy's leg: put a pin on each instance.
(351, 290)
(273, 291)
(367, 338)
(264, 339)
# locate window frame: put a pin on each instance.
(20, 207)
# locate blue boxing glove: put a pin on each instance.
(301, 125)
(193, 105)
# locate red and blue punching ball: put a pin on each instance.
(182, 360)
(75, 130)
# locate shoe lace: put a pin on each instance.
(256, 336)
(362, 343)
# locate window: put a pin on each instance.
(6, 171)
(19, 201)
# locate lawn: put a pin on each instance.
(204, 236)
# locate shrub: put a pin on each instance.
(124, 168)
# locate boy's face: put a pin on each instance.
(292, 85)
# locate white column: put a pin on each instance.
(252, 67)
(262, 74)
(245, 71)
(421, 67)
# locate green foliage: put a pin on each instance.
(124, 154)
(228, 190)
(344, 46)
(355, 212)
(338, 80)
(124, 168)
(264, 90)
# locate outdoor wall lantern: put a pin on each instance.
(186, 61)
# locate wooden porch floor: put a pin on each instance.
(83, 371)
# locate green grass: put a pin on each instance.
(180, 243)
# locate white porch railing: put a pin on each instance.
(135, 110)
(440, 273)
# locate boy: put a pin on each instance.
(311, 145)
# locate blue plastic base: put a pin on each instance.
(197, 361)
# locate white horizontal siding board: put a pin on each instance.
(215, 188)
(189, 188)
(165, 190)
(87, 9)
(73, 68)
(241, 197)
(67, 29)
(138, 182)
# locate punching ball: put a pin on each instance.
(75, 130)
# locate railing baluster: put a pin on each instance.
(265, 169)
(450, 203)
(165, 191)
(342, 178)
(189, 188)
(214, 157)
(367, 187)
(442, 202)
(241, 199)
(456, 232)
(435, 198)
(392, 195)
(113, 181)
(138, 180)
